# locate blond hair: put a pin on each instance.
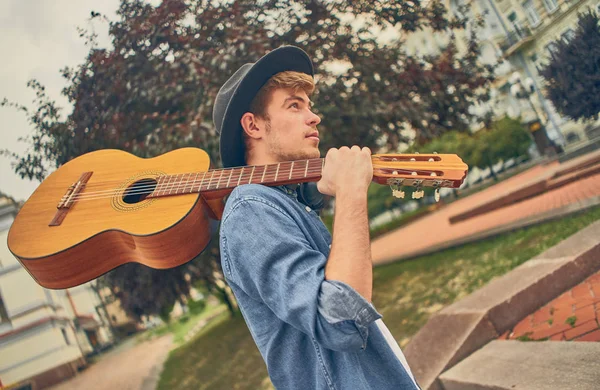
(295, 81)
(289, 79)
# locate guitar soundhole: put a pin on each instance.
(139, 190)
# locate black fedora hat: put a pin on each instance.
(235, 96)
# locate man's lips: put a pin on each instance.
(314, 135)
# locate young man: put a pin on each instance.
(305, 296)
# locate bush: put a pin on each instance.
(196, 307)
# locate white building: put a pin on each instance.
(519, 35)
(45, 335)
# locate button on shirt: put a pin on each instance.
(312, 333)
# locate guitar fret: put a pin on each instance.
(219, 181)
(291, 170)
(262, 179)
(178, 182)
(252, 174)
(194, 183)
(277, 172)
(158, 185)
(230, 173)
(306, 169)
(240, 178)
(210, 181)
(181, 185)
(185, 182)
(202, 180)
(170, 183)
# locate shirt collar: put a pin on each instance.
(289, 189)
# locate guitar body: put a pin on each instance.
(104, 231)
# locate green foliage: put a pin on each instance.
(196, 307)
(504, 139)
(571, 321)
(572, 77)
(164, 311)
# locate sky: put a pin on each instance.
(37, 39)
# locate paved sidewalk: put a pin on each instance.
(133, 367)
(435, 229)
(573, 316)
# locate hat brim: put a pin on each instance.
(286, 58)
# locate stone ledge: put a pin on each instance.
(527, 365)
(549, 183)
(467, 325)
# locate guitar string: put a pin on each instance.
(179, 183)
(283, 163)
(163, 187)
(81, 199)
(189, 184)
(320, 159)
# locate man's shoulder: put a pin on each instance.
(253, 193)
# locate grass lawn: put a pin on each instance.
(407, 293)
(181, 326)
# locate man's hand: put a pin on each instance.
(346, 171)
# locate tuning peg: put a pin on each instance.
(435, 152)
(431, 160)
(418, 194)
(398, 194)
(437, 194)
(413, 159)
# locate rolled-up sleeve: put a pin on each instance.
(266, 254)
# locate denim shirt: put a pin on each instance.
(312, 333)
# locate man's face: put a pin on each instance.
(292, 127)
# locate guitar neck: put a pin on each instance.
(226, 179)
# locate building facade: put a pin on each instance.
(519, 36)
(45, 335)
(531, 29)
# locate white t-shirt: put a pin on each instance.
(395, 347)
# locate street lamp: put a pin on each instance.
(524, 90)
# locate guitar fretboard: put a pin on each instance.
(229, 178)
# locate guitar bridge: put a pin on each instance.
(68, 198)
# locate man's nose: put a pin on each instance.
(314, 119)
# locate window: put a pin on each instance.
(551, 5)
(66, 336)
(568, 35)
(552, 48)
(516, 25)
(3, 312)
(532, 15)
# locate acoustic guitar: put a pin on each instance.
(107, 208)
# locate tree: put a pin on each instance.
(572, 77)
(154, 89)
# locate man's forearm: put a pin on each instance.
(350, 257)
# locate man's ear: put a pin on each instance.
(252, 125)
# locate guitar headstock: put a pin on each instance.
(418, 171)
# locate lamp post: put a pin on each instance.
(523, 90)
